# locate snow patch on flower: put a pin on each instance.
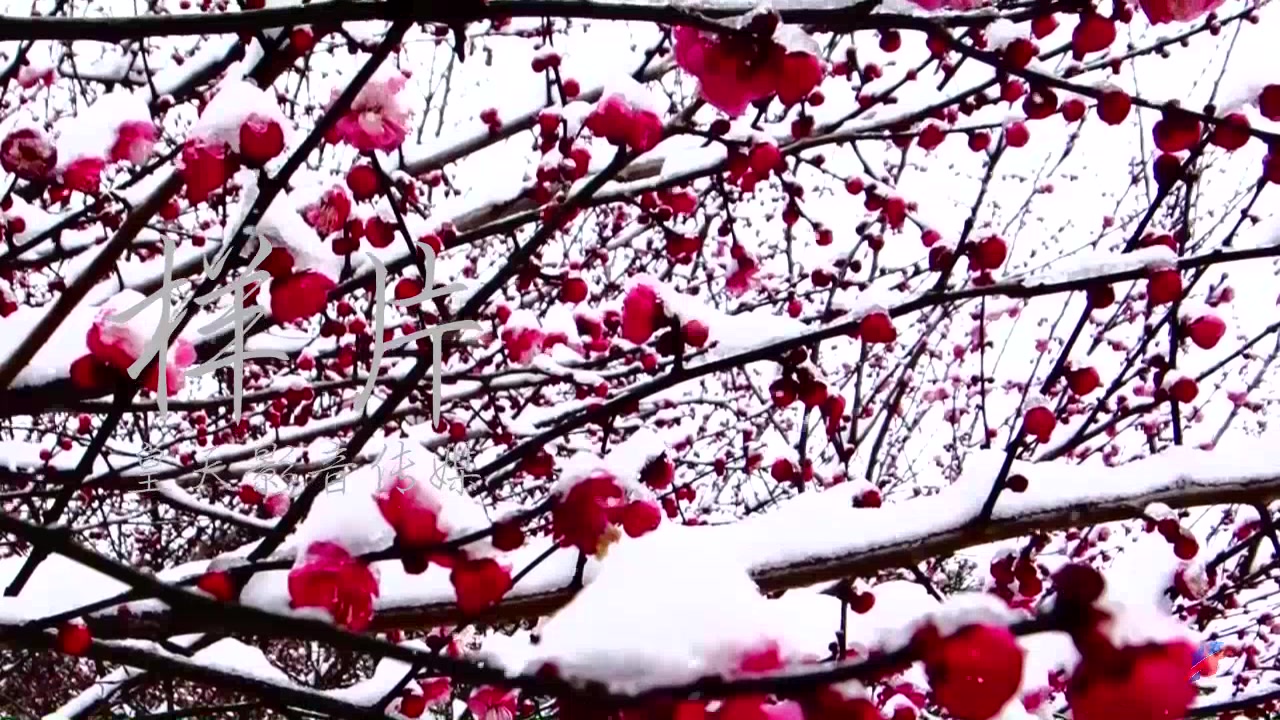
(523, 319)
(92, 132)
(1136, 625)
(345, 514)
(434, 483)
(1045, 653)
(559, 320)
(283, 227)
(954, 613)
(727, 334)
(636, 95)
(140, 328)
(663, 610)
(234, 102)
(583, 466)
(1141, 574)
(523, 337)
(1002, 32)
(117, 345)
(1171, 378)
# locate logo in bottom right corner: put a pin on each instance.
(1205, 662)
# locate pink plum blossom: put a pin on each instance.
(489, 702)
(134, 142)
(28, 153)
(623, 124)
(1166, 11)
(326, 576)
(742, 273)
(411, 510)
(31, 75)
(119, 345)
(84, 174)
(436, 690)
(329, 214)
(731, 74)
(376, 119)
(735, 71)
(522, 343)
(300, 295)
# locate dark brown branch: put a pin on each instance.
(272, 694)
(115, 29)
(906, 551)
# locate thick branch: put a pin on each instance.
(699, 14)
(863, 556)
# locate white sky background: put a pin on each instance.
(1047, 232)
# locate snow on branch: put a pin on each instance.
(821, 359)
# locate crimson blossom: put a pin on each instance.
(812, 360)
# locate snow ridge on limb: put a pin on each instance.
(784, 342)
(805, 540)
